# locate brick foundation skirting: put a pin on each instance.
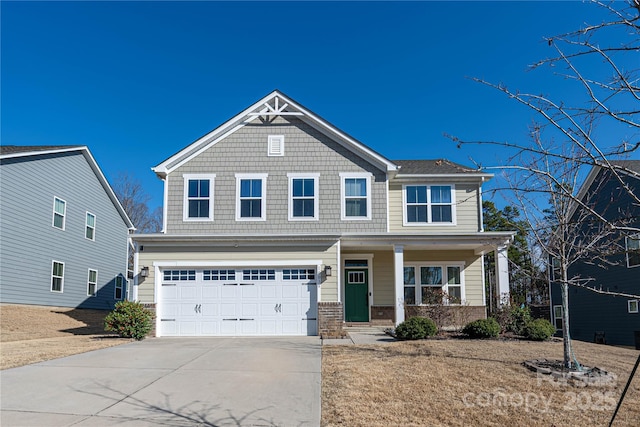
(447, 316)
(330, 320)
(383, 312)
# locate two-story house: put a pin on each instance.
(63, 232)
(612, 318)
(278, 223)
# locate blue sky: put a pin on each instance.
(138, 81)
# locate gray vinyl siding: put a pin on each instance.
(245, 151)
(591, 312)
(29, 243)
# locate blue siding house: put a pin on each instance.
(596, 317)
(63, 233)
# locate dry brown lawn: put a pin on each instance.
(458, 382)
(30, 334)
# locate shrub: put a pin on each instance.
(519, 319)
(483, 328)
(539, 330)
(129, 319)
(416, 328)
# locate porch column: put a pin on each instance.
(502, 276)
(398, 265)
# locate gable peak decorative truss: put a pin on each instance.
(273, 107)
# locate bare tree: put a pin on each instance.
(544, 173)
(135, 201)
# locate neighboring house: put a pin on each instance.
(278, 223)
(63, 233)
(597, 317)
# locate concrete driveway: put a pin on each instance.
(172, 382)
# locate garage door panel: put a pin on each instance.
(268, 291)
(248, 291)
(210, 292)
(291, 291)
(210, 327)
(229, 292)
(248, 327)
(228, 309)
(191, 292)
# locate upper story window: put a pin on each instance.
(198, 197)
(59, 212)
(355, 192)
(90, 226)
(251, 197)
(633, 250)
(429, 204)
(303, 196)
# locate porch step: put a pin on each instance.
(365, 328)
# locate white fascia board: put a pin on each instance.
(107, 187)
(43, 152)
(481, 177)
(211, 138)
(94, 166)
(239, 263)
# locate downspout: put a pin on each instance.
(165, 198)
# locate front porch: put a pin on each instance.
(384, 279)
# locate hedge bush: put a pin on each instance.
(483, 328)
(416, 328)
(539, 330)
(129, 319)
(520, 318)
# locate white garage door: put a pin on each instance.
(242, 301)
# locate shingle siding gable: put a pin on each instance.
(245, 151)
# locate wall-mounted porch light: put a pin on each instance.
(327, 270)
(144, 272)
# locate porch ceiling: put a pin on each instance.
(480, 243)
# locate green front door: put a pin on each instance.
(356, 294)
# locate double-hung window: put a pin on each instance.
(59, 213)
(303, 196)
(251, 197)
(355, 191)
(434, 284)
(92, 283)
(633, 250)
(57, 276)
(198, 197)
(90, 226)
(119, 287)
(429, 204)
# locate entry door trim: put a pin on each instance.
(369, 258)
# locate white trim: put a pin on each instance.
(257, 109)
(263, 197)
(275, 145)
(355, 175)
(64, 215)
(89, 282)
(136, 267)
(398, 283)
(53, 262)
(211, 177)
(338, 274)
(86, 225)
(480, 208)
(429, 204)
(626, 248)
(387, 213)
(445, 285)
(369, 268)
(553, 314)
(124, 287)
(316, 187)
(165, 203)
(632, 301)
(238, 263)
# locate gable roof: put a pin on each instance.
(274, 104)
(16, 151)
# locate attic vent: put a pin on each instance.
(276, 145)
